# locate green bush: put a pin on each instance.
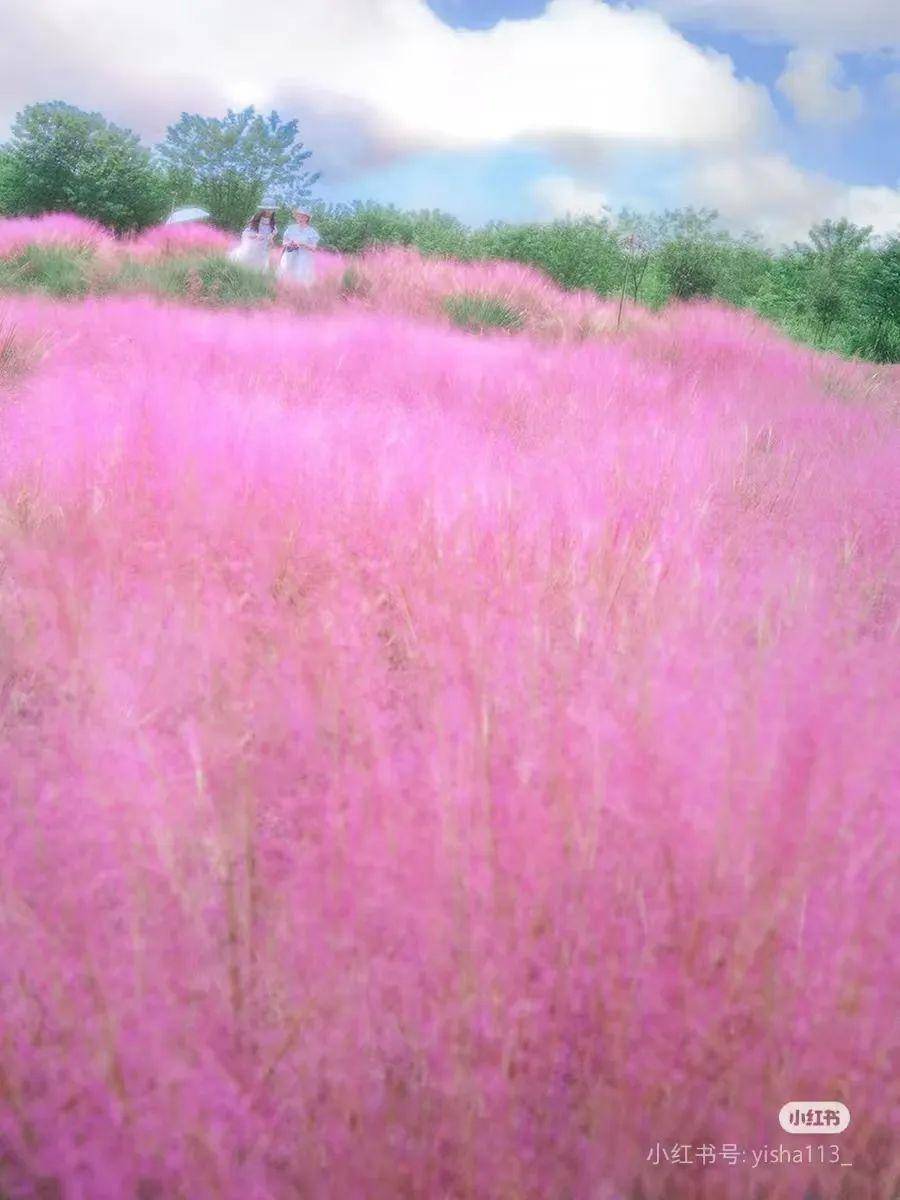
(354, 228)
(876, 306)
(209, 280)
(878, 343)
(825, 298)
(577, 254)
(54, 269)
(63, 272)
(479, 313)
(741, 274)
(7, 181)
(689, 268)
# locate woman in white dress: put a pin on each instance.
(256, 240)
(299, 243)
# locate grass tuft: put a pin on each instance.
(17, 355)
(211, 280)
(58, 270)
(481, 313)
(354, 285)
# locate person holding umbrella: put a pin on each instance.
(256, 239)
(298, 245)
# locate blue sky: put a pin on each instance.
(482, 14)
(498, 185)
(866, 151)
(777, 113)
(862, 152)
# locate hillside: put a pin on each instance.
(438, 764)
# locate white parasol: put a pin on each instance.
(186, 214)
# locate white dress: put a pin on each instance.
(253, 248)
(299, 266)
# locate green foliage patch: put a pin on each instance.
(229, 165)
(62, 159)
(210, 280)
(53, 269)
(478, 313)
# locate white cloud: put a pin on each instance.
(811, 80)
(44, 58)
(563, 196)
(372, 80)
(769, 193)
(836, 24)
(582, 70)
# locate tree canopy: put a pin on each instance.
(62, 159)
(230, 164)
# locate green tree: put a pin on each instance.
(830, 264)
(61, 159)
(683, 252)
(743, 272)
(684, 225)
(229, 165)
(354, 228)
(5, 181)
(877, 332)
(689, 268)
(837, 241)
(578, 252)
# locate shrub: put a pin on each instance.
(876, 333)
(825, 299)
(53, 269)
(212, 280)
(876, 341)
(689, 269)
(576, 253)
(480, 313)
(741, 273)
(354, 228)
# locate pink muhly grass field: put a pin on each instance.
(52, 229)
(189, 237)
(402, 281)
(71, 232)
(434, 766)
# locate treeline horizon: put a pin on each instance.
(839, 290)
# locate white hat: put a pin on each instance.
(267, 205)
